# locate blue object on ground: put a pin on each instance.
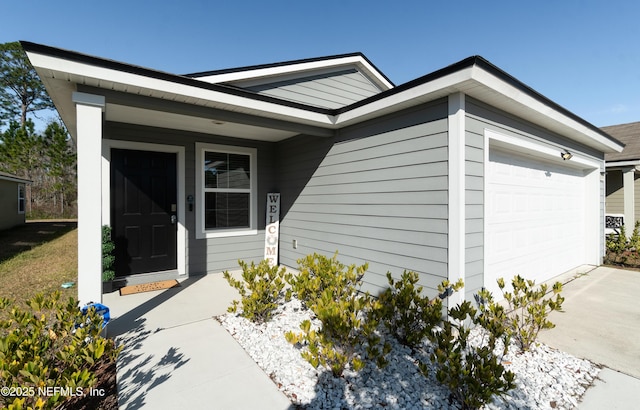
(101, 309)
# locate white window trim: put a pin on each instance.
(201, 233)
(24, 198)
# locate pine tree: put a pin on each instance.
(61, 159)
(21, 152)
(21, 91)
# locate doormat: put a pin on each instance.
(148, 287)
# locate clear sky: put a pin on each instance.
(582, 54)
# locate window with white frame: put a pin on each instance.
(226, 185)
(21, 198)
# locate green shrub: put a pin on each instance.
(473, 374)
(330, 290)
(621, 250)
(48, 343)
(527, 311)
(634, 240)
(318, 273)
(107, 254)
(261, 289)
(406, 312)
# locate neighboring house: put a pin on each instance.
(623, 179)
(456, 174)
(12, 200)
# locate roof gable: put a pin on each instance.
(327, 82)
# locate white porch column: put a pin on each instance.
(456, 222)
(629, 199)
(89, 109)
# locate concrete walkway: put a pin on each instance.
(177, 356)
(601, 322)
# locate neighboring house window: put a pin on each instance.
(226, 184)
(21, 199)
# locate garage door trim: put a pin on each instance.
(550, 153)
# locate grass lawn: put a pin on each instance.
(38, 257)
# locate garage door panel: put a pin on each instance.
(535, 219)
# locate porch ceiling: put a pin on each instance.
(62, 85)
(141, 116)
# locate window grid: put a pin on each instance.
(227, 190)
(21, 199)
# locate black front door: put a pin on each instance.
(143, 211)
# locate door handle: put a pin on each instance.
(174, 219)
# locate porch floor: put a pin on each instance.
(177, 356)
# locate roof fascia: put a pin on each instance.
(297, 66)
(448, 79)
(544, 106)
(485, 74)
(514, 83)
(85, 65)
(623, 163)
(109, 71)
(15, 179)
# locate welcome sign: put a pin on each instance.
(272, 230)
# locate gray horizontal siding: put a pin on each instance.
(379, 195)
(214, 254)
(615, 192)
(330, 90)
(474, 210)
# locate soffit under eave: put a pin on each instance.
(624, 163)
(61, 94)
(62, 84)
(558, 123)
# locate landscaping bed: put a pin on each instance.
(545, 377)
(325, 344)
(622, 250)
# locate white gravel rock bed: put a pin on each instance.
(545, 378)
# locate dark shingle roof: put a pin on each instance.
(629, 134)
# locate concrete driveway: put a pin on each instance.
(601, 319)
(601, 323)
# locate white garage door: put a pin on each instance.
(535, 219)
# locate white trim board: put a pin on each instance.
(541, 149)
(107, 144)
(201, 233)
(456, 201)
(300, 69)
